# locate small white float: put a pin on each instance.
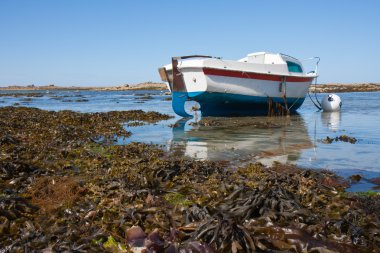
(331, 103)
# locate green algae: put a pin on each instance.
(112, 245)
(368, 193)
(176, 198)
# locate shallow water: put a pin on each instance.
(296, 139)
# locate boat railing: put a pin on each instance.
(194, 56)
(289, 56)
(315, 71)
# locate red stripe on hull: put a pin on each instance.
(251, 75)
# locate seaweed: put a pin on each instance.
(343, 138)
(66, 186)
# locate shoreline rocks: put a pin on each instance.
(319, 88)
(139, 86)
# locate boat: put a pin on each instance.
(257, 84)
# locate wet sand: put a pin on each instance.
(66, 187)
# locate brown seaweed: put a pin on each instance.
(66, 187)
(343, 138)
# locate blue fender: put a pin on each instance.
(178, 103)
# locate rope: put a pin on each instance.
(319, 106)
(315, 94)
(294, 103)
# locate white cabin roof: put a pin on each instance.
(268, 58)
(264, 58)
(257, 53)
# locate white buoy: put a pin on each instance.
(331, 103)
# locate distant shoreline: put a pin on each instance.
(140, 86)
(319, 88)
(338, 88)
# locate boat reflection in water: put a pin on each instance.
(259, 139)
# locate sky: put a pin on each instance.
(115, 42)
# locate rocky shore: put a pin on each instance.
(319, 88)
(337, 88)
(65, 187)
(139, 86)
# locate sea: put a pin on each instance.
(299, 139)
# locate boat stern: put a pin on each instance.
(166, 75)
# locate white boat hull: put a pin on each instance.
(222, 94)
(224, 88)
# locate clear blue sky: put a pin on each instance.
(101, 43)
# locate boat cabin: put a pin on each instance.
(293, 64)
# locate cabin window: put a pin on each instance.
(294, 67)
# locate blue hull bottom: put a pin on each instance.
(224, 104)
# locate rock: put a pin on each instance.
(355, 178)
(135, 236)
